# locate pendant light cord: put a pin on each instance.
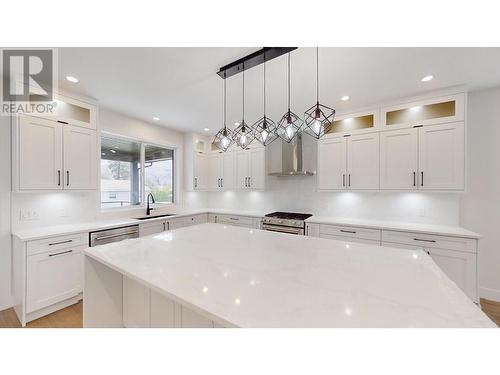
(243, 120)
(317, 74)
(224, 100)
(264, 86)
(288, 81)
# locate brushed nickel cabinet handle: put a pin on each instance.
(343, 180)
(60, 242)
(67, 178)
(349, 180)
(61, 253)
(414, 178)
(348, 231)
(58, 178)
(420, 239)
(421, 178)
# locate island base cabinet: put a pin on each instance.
(145, 308)
(459, 266)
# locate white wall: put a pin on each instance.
(480, 206)
(5, 186)
(299, 194)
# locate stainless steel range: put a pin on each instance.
(286, 222)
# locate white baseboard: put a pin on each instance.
(488, 293)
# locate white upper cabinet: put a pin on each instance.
(215, 171)
(442, 157)
(332, 164)
(39, 152)
(75, 112)
(228, 170)
(250, 168)
(200, 170)
(363, 161)
(425, 112)
(399, 159)
(80, 158)
(257, 168)
(242, 159)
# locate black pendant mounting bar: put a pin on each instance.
(254, 59)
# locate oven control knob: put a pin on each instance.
(294, 223)
(280, 221)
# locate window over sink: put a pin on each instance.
(124, 182)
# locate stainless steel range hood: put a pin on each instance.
(296, 158)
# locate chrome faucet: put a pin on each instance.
(148, 209)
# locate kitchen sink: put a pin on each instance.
(152, 217)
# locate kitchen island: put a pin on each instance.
(213, 275)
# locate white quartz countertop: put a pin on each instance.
(58, 230)
(64, 229)
(253, 278)
(442, 230)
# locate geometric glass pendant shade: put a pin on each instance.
(224, 137)
(318, 118)
(243, 134)
(264, 128)
(290, 124)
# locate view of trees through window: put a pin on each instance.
(121, 172)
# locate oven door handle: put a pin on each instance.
(277, 228)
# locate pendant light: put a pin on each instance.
(265, 128)
(318, 118)
(290, 124)
(243, 134)
(224, 137)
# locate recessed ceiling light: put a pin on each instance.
(113, 151)
(156, 118)
(72, 79)
(206, 129)
(236, 124)
(427, 78)
(345, 98)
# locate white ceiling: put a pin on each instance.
(180, 85)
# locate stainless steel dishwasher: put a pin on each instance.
(113, 235)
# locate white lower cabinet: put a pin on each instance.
(459, 266)
(146, 229)
(236, 220)
(456, 256)
(53, 276)
(144, 308)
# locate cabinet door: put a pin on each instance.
(80, 158)
(53, 277)
(398, 159)
(228, 170)
(40, 153)
(459, 266)
(200, 172)
(191, 319)
(214, 163)
(151, 228)
(332, 164)
(441, 157)
(242, 169)
(177, 223)
(257, 168)
(363, 161)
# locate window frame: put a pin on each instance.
(143, 143)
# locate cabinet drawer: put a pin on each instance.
(429, 240)
(56, 243)
(349, 240)
(242, 221)
(354, 232)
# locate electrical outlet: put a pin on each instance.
(27, 215)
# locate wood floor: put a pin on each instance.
(71, 317)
